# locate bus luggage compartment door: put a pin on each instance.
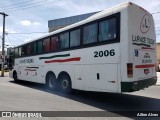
(103, 78)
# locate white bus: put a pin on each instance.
(111, 51)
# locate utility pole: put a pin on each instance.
(3, 40)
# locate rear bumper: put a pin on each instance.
(137, 85)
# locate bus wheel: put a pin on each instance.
(65, 84)
(15, 76)
(51, 81)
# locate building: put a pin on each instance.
(62, 22)
(158, 56)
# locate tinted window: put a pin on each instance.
(16, 52)
(107, 29)
(54, 43)
(19, 51)
(39, 47)
(33, 50)
(12, 52)
(46, 45)
(64, 40)
(24, 50)
(75, 38)
(28, 49)
(90, 34)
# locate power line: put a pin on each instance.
(16, 4)
(16, 40)
(28, 33)
(33, 6)
(9, 40)
(22, 5)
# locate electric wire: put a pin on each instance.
(23, 5)
(16, 4)
(12, 10)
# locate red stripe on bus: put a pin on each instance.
(64, 60)
(145, 66)
(147, 48)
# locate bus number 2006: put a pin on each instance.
(104, 53)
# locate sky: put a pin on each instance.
(31, 16)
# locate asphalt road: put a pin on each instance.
(26, 96)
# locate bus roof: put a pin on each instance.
(96, 16)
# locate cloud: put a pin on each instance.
(36, 23)
(21, 21)
(25, 22)
(29, 23)
(7, 30)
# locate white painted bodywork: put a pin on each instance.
(83, 73)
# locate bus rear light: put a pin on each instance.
(129, 70)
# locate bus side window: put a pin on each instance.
(24, 50)
(29, 49)
(90, 34)
(19, 51)
(64, 40)
(33, 48)
(107, 29)
(46, 44)
(39, 47)
(54, 43)
(16, 52)
(75, 38)
(12, 52)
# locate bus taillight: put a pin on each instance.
(129, 70)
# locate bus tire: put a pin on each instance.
(65, 84)
(15, 76)
(51, 81)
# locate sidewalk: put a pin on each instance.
(158, 78)
(6, 74)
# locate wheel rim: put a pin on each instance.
(65, 84)
(51, 82)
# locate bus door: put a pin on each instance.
(10, 58)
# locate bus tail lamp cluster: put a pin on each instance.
(130, 70)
